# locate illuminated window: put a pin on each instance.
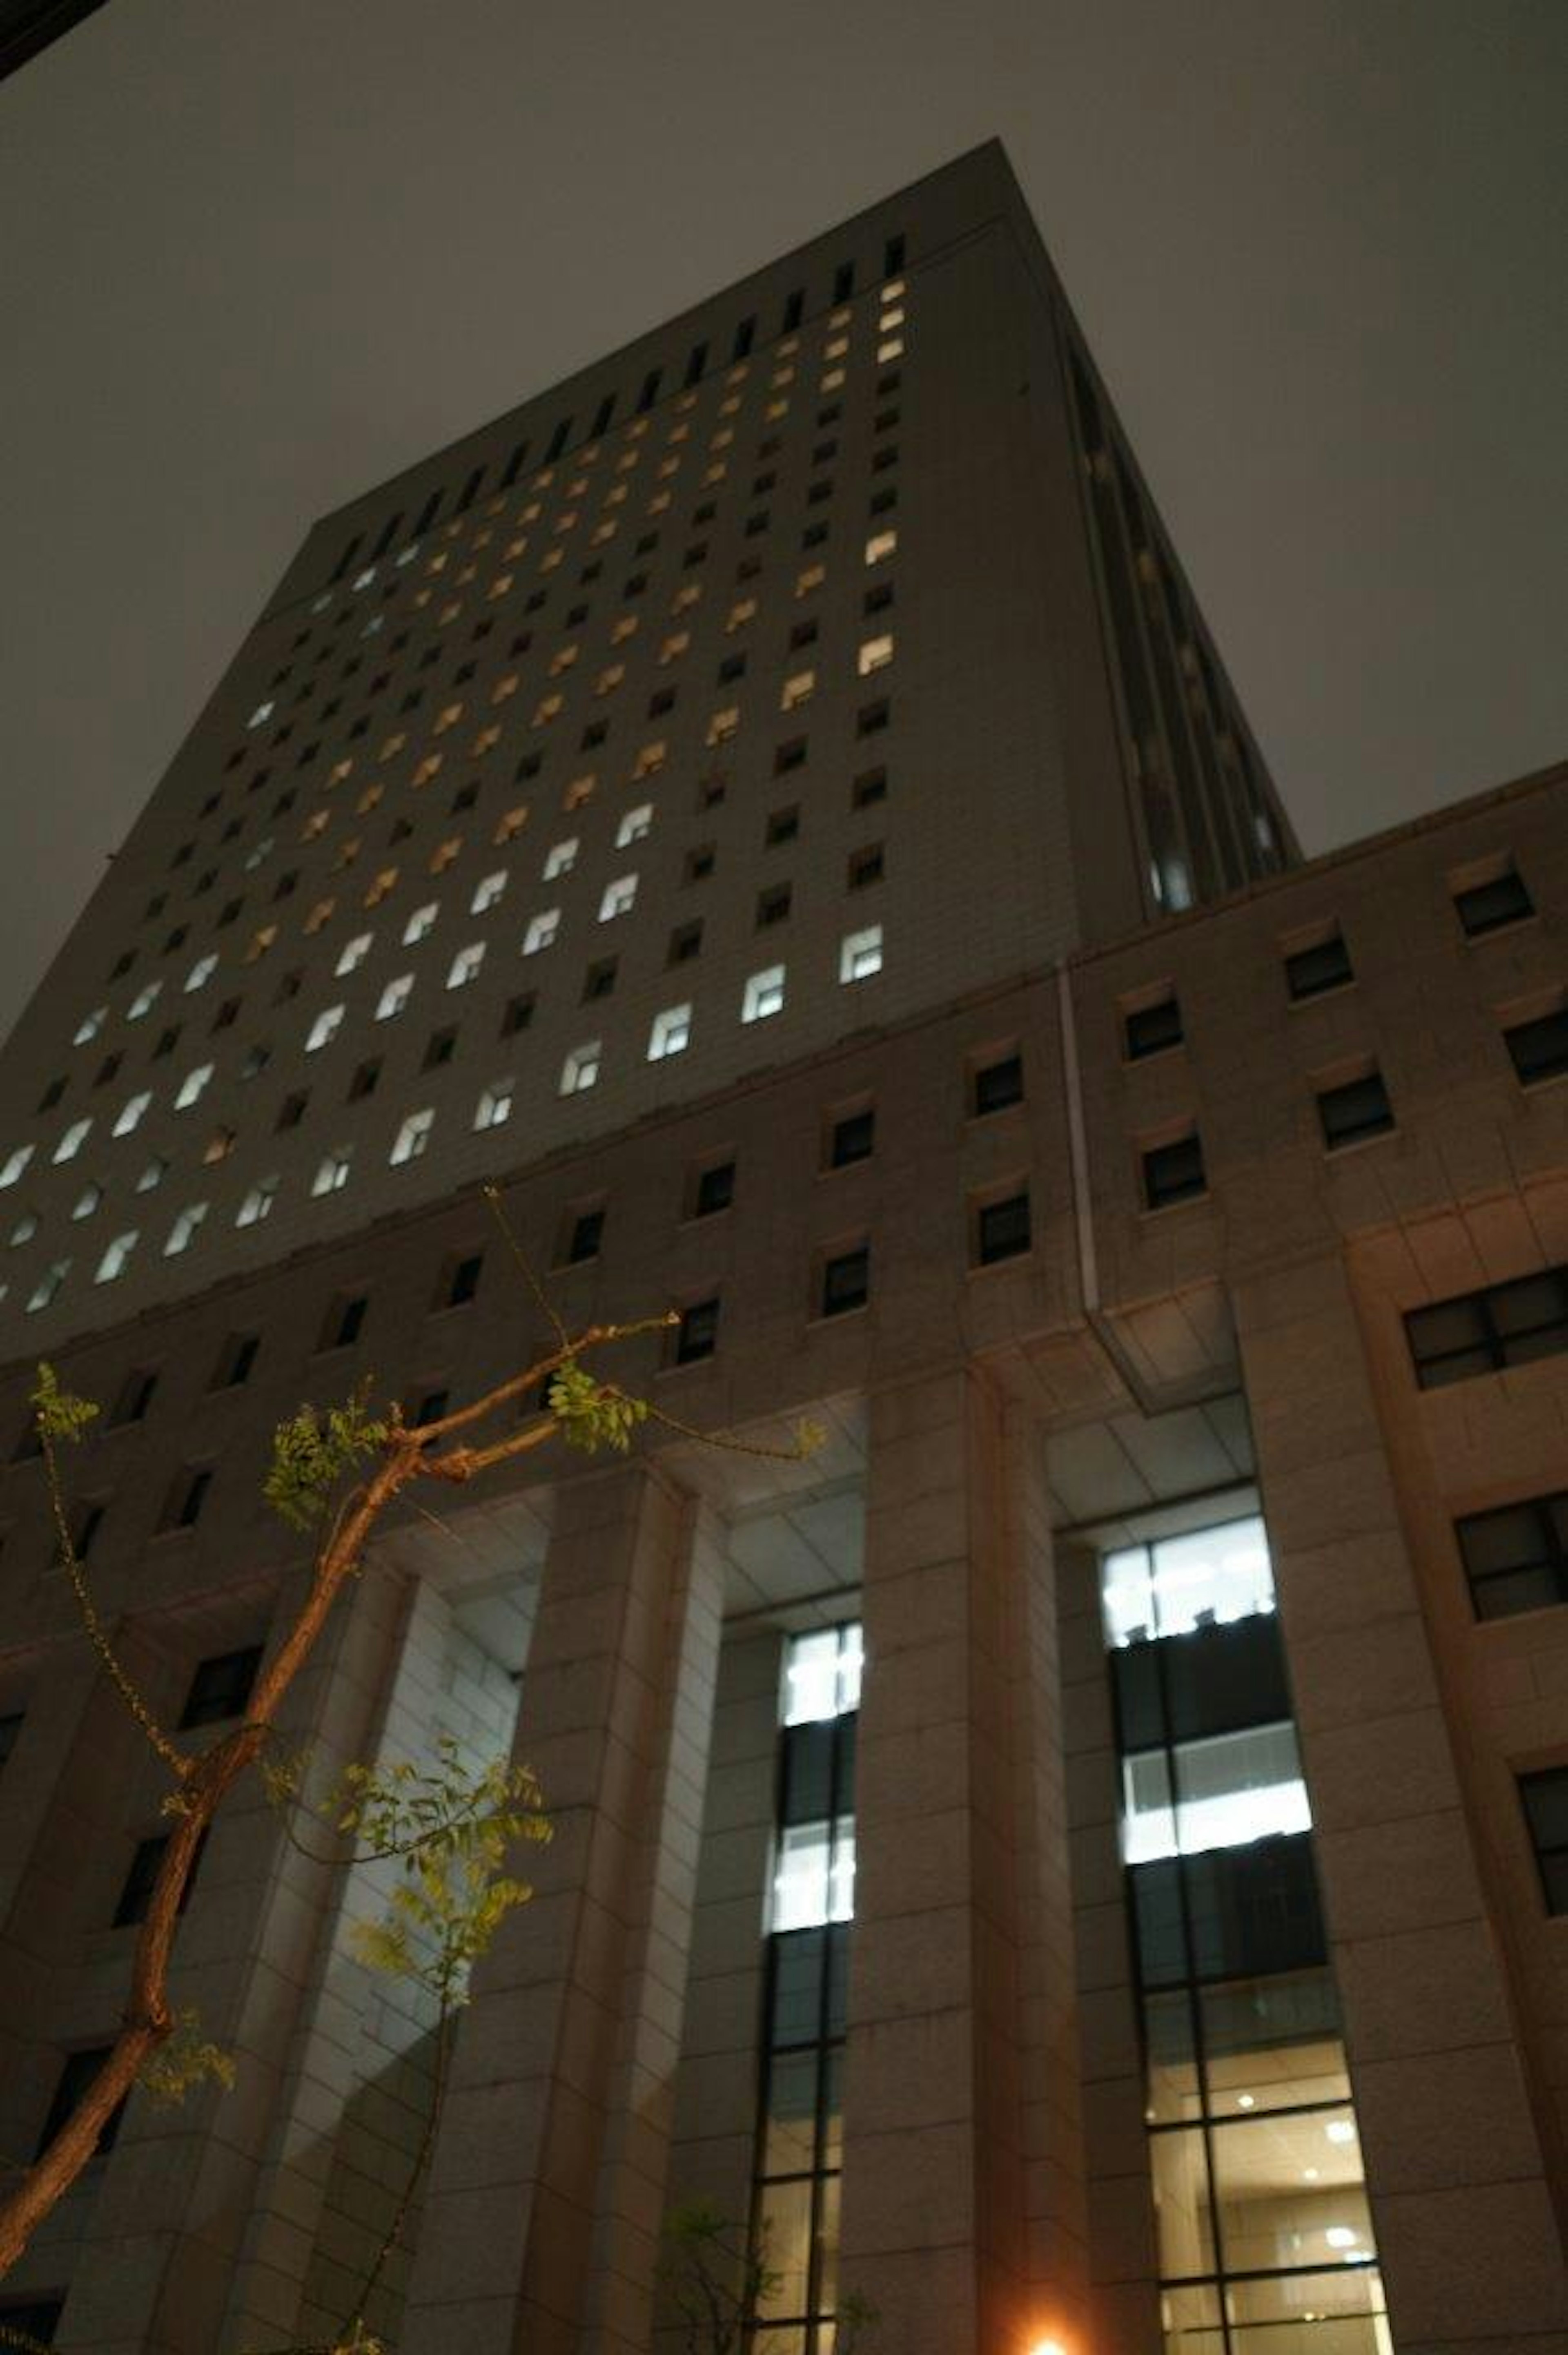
(384, 883)
(881, 546)
(875, 655)
(192, 1086)
(493, 1109)
(201, 971)
(504, 688)
(465, 965)
(112, 1264)
(71, 1142)
(763, 994)
(258, 1203)
(671, 1034)
(634, 825)
(560, 859)
(429, 770)
(262, 712)
(609, 678)
(489, 892)
(813, 1875)
(724, 725)
(17, 1159)
(510, 824)
(444, 853)
(798, 689)
(580, 1069)
(448, 717)
(620, 898)
(808, 582)
(675, 646)
(332, 1172)
(563, 660)
(743, 610)
(413, 1136)
(130, 1114)
(649, 762)
(42, 1294)
(1210, 1578)
(485, 742)
(892, 349)
(395, 998)
(860, 955)
(420, 923)
(626, 627)
(542, 930)
(547, 708)
(143, 1001)
(90, 1026)
(315, 825)
(368, 800)
(321, 915)
(352, 954)
(152, 1176)
(87, 1201)
(324, 1028)
(183, 1233)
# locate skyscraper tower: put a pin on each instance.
(1083, 1858)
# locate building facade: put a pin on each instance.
(1083, 1859)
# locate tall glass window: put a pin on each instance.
(1265, 2237)
(800, 2143)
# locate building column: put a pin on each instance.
(1466, 2233)
(962, 2195)
(548, 2188)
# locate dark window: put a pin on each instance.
(1324, 965)
(78, 2075)
(558, 441)
(794, 311)
(292, 1110)
(600, 979)
(51, 1095)
(1516, 1556)
(885, 501)
(846, 1281)
(866, 867)
(844, 282)
(744, 335)
(696, 1336)
(664, 700)
(1544, 1797)
(788, 756)
(1150, 1029)
(343, 1320)
(871, 718)
(732, 667)
(106, 1071)
(35, 2318)
(772, 905)
(877, 600)
(814, 535)
(852, 1138)
(364, 1079)
(1540, 1049)
(685, 942)
(699, 863)
(187, 1494)
(715, 1189)
(869, 787)
(135, 1395)
(696, 364)
(10, 1727)
(1487, 907)
(228, 1014)
(782, 826)
(755, 525)
(518, 1015)
(439, 1048)
(167, 1041)
(145, 1866)
(892, 257)
(650, 392)
(1002, 1230)
(235, 1361)
(1174, 1172)
(602, 416)
(1359, 1109)
(999, 1084)
(220, 1687)
(86, 1523)
(1480, 1332)
(584, 1237)
(461, 1283)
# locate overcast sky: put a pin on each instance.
(254, 258)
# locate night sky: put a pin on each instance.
(256, 258)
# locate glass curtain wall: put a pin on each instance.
(799, 2145)
(1266, 2240)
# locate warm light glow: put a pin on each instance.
(1047, 2347)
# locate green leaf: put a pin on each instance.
(311, 1452)
(183, 2062)
(58, 1414)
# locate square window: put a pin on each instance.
(685, 942)
(1538, 1048)
(772, 905)
(1544, 1799)
(600, 979)
(866, 867)
(1001, 1229)
(846, 1281)
(997, 1083)
(860, 955)
(783, 825)
(1355, 1110)
(1318, 965)
(1516, 1556)
(699, 863)
(1151, 1027)
(869, 788)
(1174, 1173)
(670, 1033)
(585, 1234)
(220, 1687)
(764, 994)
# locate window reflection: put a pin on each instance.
(1206, 1579)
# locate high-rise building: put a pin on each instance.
(1084, 1858)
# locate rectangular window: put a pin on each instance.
(1174, 1173)
(1354, 1111)
(1544, 1798)
(1481, 1332)
(1538, 1048)
(345, 1317)
(1001, 1229)
(713, 1190)
(1318, 965)
(696, 1336)
(136, 1894)
(763, 994)
(846, 1281)
(1151, 1026)
(996, 1084)
(220, 1687)
(860, 955)
(235, 1361)
(1490, 901)
(460, 1281)
(1515, 1556)
(851, 1137)
(585, 1234)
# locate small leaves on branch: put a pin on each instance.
(184, 2060)
(59, 1413)
(593, 1414)
(312, 1451)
